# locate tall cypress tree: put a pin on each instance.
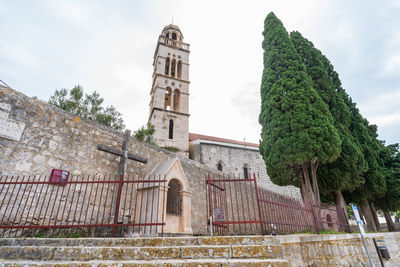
(375, 182)
(297, 128)
(390, 202)
(343, 173)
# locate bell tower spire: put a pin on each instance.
(169, 105)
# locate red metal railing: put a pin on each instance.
(92, 205)
(239, 206)
(283, 214)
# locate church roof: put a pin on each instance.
(193, 137)
(172, 26)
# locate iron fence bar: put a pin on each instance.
(163, 207)
(258, 204)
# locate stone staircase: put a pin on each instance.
(155, 251)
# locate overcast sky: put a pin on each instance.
(108, 46)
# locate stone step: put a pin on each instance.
(81, 253)
(148, 263)
(140, 242)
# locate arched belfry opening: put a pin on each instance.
(167, 62)
(174, 200)
(173, 68)
(177, 95)
(167, 98)
(179, 69)
(173, 36)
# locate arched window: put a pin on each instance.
(179, 69)
(167, 35)
(173, 36)
(174, 200)
(167, 66)
(219, 166)
(173, 67)
(167, 98)
(177, 96)
(329, 220)
(246, 171)
(171, 130)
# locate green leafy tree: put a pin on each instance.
(297, 128)
(87, 106)
(343, 173)
(145, 134)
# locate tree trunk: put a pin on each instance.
(340, 204)
(368, 215)
(375, 216)
(389, 221)
(306, 189)
(314, 179)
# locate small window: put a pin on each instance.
(171, 130)
(219, 167)
(167, 35)
(173, 36)
(245, 171)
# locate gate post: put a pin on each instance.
(209, 203)
(258, 204)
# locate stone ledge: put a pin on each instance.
(170, 263)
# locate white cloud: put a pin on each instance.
(109, 47)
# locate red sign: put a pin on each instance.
(59, 177)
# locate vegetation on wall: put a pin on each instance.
(145, 134)
(76, 102)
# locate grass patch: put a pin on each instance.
(172, 149)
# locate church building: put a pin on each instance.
(169, 113)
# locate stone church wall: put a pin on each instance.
(234, 159)
(36, 137)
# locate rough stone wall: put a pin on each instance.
(233, 160)
(46, 137)
(338, 250)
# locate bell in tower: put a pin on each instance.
(169, 105)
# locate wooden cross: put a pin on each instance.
(124, 153)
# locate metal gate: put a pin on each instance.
(237, 205)
(233, 205)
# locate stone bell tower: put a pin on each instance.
(169, 105)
